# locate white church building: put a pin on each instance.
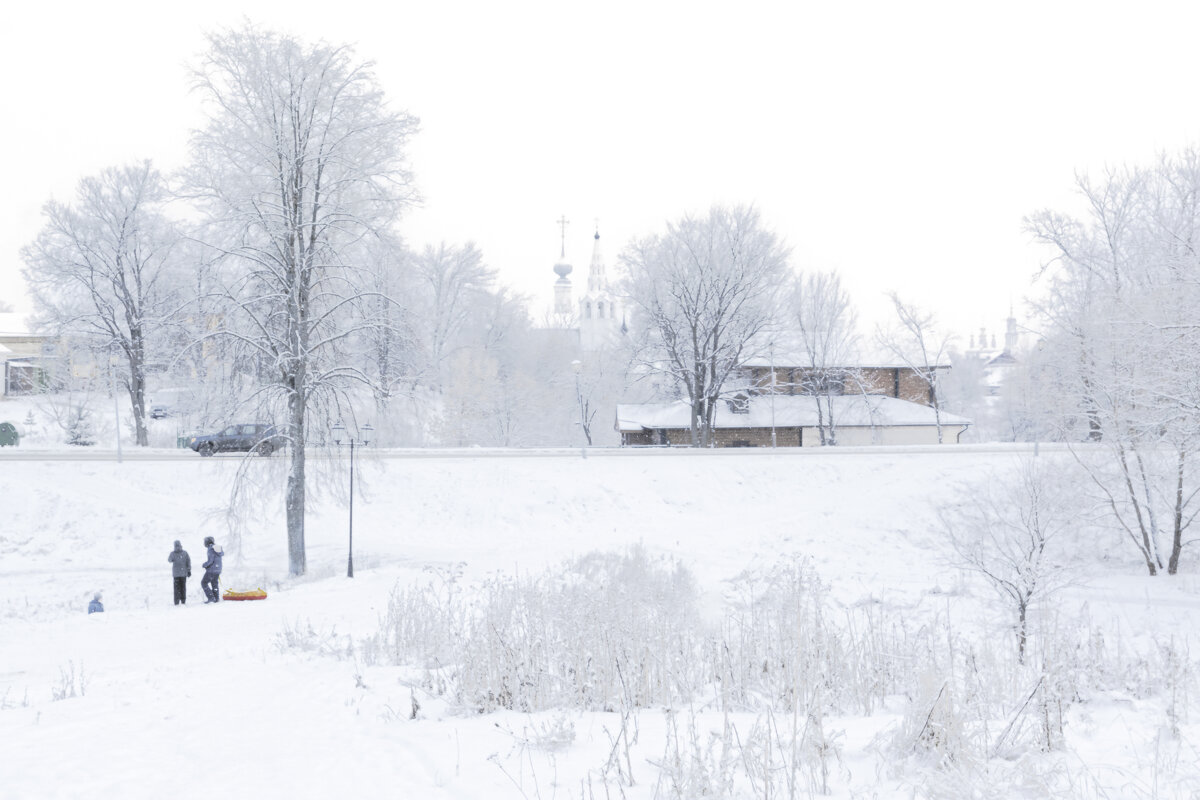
(597, 314)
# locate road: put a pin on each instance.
(149, 454)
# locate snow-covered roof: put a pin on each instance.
(790, 411)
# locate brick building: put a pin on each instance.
(748, 421)
(876, 401)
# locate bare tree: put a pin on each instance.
(819, 308)
(301, 160)
(1010, 530)
(452, 281)
(915, 340)
(500, 389)
(1122, 285)
(391, 336)
(600, 379)
(701, 293)
(99, 270)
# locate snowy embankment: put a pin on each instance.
(312, 693)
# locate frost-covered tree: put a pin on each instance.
(502, 388)
(701, 293)
(1121, 288)
(390, 336)
(915, 339)
(818, 308)
(597, 381)
(453, 287)
(100, 272)
(1012, 530)
(300, 161)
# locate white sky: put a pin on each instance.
(900, 143)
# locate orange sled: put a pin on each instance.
(257, 594)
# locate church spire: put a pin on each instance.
(597, 280)
(562, 286)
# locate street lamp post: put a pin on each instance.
(338, 430)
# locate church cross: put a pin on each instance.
(563, 223)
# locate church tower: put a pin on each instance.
(599, 319)
(562, 286)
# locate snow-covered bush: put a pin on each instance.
(302, 636)
(696, 765)
(624, 633)
(605, 632)
(70, 683)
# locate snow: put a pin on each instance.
(276, 699)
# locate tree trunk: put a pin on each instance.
(137, 397)
(710, 413)
(383, 356)
(832, 422)
(137, 384)
(1022, 609)
(931, 379)
(1146, 545)
(1092, 409)
(585, 421)
(297, 563)
(820, 419)
(1177, 528)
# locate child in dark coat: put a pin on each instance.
(210, 583)
(181, 570)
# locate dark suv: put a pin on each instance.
(256, 437)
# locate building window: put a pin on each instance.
(831, 385)
(739, 404)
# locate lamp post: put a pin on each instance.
(338, 430)
(577, 366)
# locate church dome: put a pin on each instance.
(562, 269)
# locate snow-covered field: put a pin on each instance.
(306, 694)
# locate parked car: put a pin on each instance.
(170, 402)
(255, 437)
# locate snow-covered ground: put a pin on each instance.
(296, 697)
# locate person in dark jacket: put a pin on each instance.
(212, 571)
(181, 570)
(95, 606)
